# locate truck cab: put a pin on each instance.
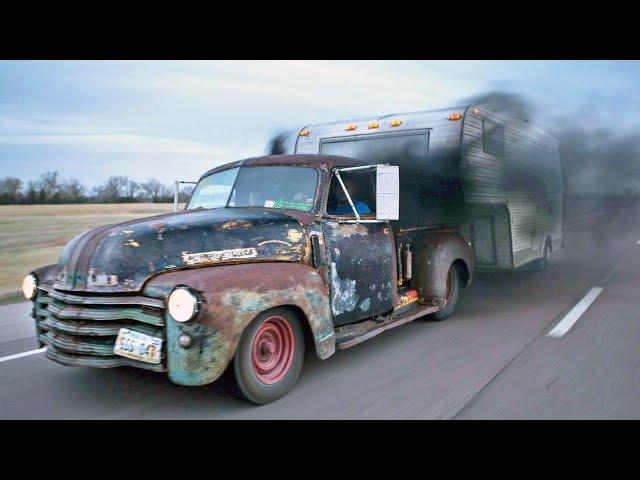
(270, 254)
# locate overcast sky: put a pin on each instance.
(171, 120)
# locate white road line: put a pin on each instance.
(23, 354)
(572, 317)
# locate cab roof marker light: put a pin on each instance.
(373, 125)
(351, 127)
(304, 133)
(455, 116)
(396, 123)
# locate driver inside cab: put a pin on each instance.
(342, 206)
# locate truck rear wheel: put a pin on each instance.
(453, 290)
(269, 356)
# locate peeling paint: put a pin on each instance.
(365, 304)
(344, 293)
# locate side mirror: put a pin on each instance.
(387, 192)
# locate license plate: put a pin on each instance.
(138, 346)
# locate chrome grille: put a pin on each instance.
(81, 330)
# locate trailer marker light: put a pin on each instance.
(396, 123)
(373, 125)
(476, 111)
(455, 116)
(351, 126)
(304, 133)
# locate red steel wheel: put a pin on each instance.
(272, 350)
(269, 356)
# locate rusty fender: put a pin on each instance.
(436, 253)
(233, 295)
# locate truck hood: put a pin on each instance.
(121, 257)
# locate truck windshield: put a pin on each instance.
(257, 186)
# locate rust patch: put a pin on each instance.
(235, 224)
(348, 230)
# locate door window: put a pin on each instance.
(361, 187)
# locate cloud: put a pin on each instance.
(90, 136)
(350, 87)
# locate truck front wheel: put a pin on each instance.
(453, 290)
(269, 356)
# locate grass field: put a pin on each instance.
(34, 235)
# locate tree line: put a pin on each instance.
(51, 188)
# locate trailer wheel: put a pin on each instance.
(269, 357)
(453, 291)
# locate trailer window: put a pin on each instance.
(493, 137)
(383, 148)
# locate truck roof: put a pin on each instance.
(313, 160)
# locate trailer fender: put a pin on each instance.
(435, 254)
(232, 296)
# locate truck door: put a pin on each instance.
(361, 256)
(361, 269)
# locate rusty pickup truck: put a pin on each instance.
(270, 254)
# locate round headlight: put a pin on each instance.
(183, 305)
(29, 286)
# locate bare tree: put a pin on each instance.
(10, 189)
(71, 191)
(131, 189)
(113, 190)
(152, 189)
(185, 193)
(48, 185)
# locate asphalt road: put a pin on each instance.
(492, 359)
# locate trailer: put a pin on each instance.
(496, 180)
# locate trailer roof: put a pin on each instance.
(409, 120)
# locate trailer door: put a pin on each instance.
(484, 239)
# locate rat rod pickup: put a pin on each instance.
(270, 254)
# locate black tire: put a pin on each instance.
(450, 307)
(540, 264)
(248, 378)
